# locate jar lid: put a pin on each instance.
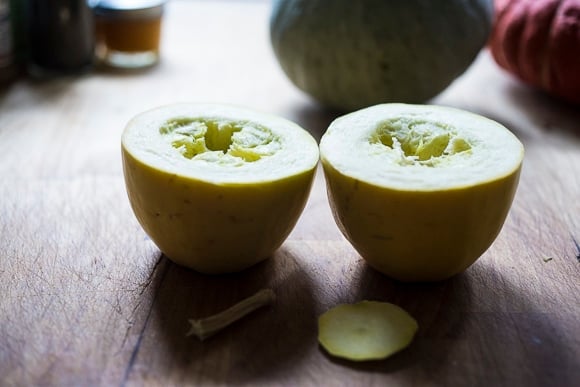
(129, 8)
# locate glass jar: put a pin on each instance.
(128, 32)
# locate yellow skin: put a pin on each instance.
(419, 236)
(224, 220)
(421, 192)
(213, 228)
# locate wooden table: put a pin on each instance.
(87, 299)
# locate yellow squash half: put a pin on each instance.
(420, 191)
(217, 188)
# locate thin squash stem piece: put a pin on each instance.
(207, 327)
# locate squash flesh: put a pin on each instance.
(368, 330)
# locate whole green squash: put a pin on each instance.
(348, 54)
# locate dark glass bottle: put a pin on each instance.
(61, 36)
(8, 66)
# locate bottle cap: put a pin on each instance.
(129, 8)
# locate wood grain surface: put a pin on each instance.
(87, 299)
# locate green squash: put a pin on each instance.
(349, 54)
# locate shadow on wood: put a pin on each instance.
(257, 347)
(454, 313)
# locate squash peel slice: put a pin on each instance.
(368, 330)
